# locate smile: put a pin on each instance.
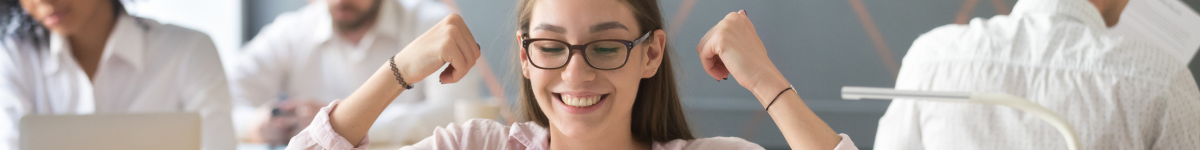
(580, 100)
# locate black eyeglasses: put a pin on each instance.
(600, 54)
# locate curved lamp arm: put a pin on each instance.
(1064, 128)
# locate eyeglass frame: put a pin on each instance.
(571, 50)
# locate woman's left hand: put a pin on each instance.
(733, 47)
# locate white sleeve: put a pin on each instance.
(11, 110)
(12, 102)
(213, 104)
(259, 72)
(205, 91)
(900, 127)
(260, 69)
(1180, 123)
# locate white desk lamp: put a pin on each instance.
(1064, 128)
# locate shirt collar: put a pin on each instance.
(124, 43)
(57, 46)
(386, 24)
(389, 19)
(324, 30)
(127, 40)
(1079, 10)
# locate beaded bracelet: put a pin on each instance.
(397, 73)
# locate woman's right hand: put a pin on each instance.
(449, 41)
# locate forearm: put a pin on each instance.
(353, 117)
(800, 126)
(733, 47)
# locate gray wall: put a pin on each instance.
(819, 45)
(259, 13)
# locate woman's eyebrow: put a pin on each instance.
(551, 28)
(608, 25)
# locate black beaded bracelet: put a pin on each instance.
(777, 97)
(397, 73)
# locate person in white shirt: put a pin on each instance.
(325, 50)
(1117, 92)
(91, 57)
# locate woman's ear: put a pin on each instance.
(521, 53)
(657, 44)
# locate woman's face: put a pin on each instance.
(66, 16)
(613, 92)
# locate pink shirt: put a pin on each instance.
(489, 134)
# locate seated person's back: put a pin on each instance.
(1118, 93)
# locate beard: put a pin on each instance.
(359, 17)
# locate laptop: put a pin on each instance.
(159, 131)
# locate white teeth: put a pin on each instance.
(580, 101)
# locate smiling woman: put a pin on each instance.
(644, 109)
(596, 74)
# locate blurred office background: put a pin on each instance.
(819, 45)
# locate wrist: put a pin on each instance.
(401, 72)
(767, 90)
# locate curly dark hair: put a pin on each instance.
(16, 23)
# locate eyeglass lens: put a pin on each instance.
(600, 54)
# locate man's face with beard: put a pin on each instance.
(353, 14)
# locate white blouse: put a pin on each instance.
(146, 67)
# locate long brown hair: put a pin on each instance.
(657, 114)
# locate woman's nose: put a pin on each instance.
(577, 70)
